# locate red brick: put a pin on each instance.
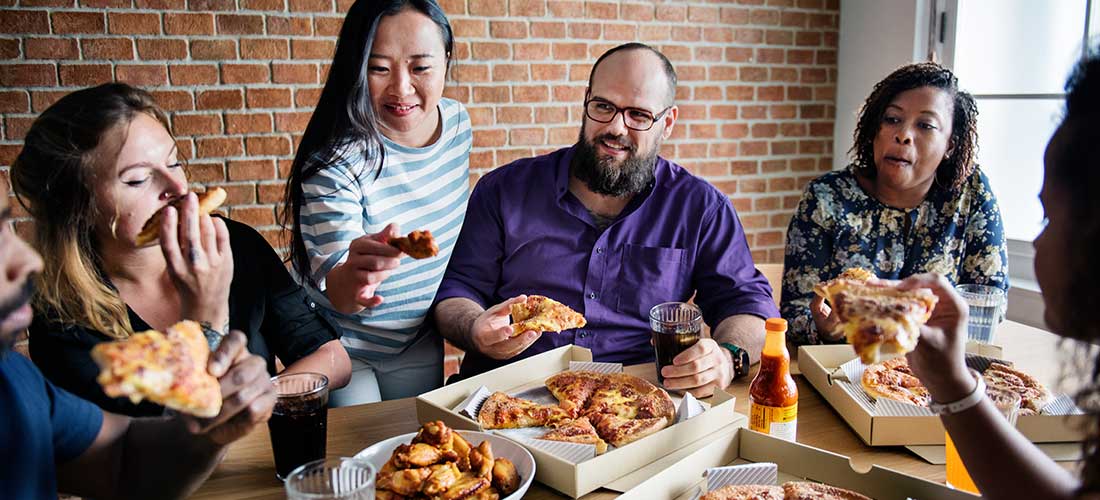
(28, 75)
(746, 35)
(490, 50)
(254, 216)
(698, 14)
(508, 29)
(236, 24)
(620, 32)
(219, 99)
(469, 28)
(773, 166)
(312, 49)
(328, 26)
(248, 170)
(527, 8)
(268, 98)
(451, 7)
(782, 111)
(491, 94)
(245, 73)
(196, 124)
(510, 72)
(78, 22)
(46, 3)
(565, 8)
(527, 136)
(277, 25)
(545, 72)
(654, 33)
(247, 123)
(210, 147)
(585, 31)
(808, 38)
(188, 24)
(601, 10)
(307, 98)
(567, 51)
(142, 75)
(514, 114)
(200, 5)
(14, 101)
(24, 21)
(268, 145)
(261, 48)
(107, 48)
(9, 49)
(16, 127)
(268, 5)
(734, 16)
(213, 50)
(292, 121)
(270, 192)
(160, 5)
(564, 93)
(174, 100)
(49, 48)
(294, 73)
(310, 5)
(470, 73)
(686, 33)
(486, 7)
(167, 49)
(124, 23)
(547, 29)
(205, 172)
(579, 72)
(191, 74)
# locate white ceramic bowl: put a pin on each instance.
(381, 451)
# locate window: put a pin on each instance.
(1014, 56)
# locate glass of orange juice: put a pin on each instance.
(1008, 403)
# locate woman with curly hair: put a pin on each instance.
(1002, 462)
(912, 201)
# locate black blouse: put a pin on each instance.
(264, 302)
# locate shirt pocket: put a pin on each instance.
(649, 276)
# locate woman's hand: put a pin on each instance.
(939, 359)
(825, 319)
(350, 286)
(200, 262)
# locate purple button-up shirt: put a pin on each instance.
(525, 233)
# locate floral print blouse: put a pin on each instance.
(839, 225)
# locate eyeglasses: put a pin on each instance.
(602, 111)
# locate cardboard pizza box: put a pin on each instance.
(735, 445)
(574, 479)
(820, 362)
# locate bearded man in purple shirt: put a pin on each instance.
(610, 229)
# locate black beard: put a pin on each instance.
(603, 176)
(7, 340)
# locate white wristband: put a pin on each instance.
(971, 400)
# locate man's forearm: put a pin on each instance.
(161, 459)
(743, 330)
(455, 317)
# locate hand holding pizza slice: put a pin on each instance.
(543, 314)
(208, 202)
(168, 368)
(877, 316)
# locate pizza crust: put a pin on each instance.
(893, 379)
(791, 490)
(208, 202)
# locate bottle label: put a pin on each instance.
(780, 422)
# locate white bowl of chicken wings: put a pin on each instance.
(438, 462)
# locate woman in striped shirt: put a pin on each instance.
(384, 150)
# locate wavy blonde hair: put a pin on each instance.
(54, 177)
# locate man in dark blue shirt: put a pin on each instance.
(54, 441)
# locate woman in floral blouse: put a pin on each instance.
(912, 201)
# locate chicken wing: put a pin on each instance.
(481, 460)
(416, 455)
(505, 477)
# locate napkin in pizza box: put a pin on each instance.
(594, 366)
(573, 453)
(472, 404)
(756, 473)
(689, 407)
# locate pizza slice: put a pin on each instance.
(573, 389)
(208, 202)
(166, 368)
(418, 244)
(501, 411)
(543, 314)
(621, 431)
(628, 396)
(745, 492)
(1033, 394)
(877, 317)
(577, 431)
(805, 490)
(893, 379)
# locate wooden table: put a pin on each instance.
(248, 471)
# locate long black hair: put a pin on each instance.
(344, 118)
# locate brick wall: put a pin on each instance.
(240, 77)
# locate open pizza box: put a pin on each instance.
(681, 475)
(893, 424)
(571, 477)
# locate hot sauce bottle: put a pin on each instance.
(773, 394)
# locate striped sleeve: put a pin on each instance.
(332, 216)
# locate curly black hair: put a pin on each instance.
(1075, 172)
(957, 167)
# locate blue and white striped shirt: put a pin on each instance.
(419, 188)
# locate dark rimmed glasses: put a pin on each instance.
(638, 119)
